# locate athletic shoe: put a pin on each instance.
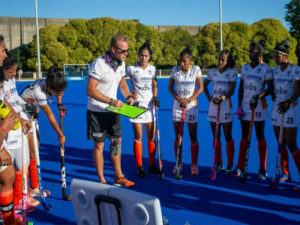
(122, 181)
(153, 169)
(140, 172)
(262, 175)
(180, 168)
(35, 192)
(297, 188)
(243, 176)
(229, 169)
(194, 170)
(284, 178)
(219, 167)
(236, 172)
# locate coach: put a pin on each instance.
(106, 74)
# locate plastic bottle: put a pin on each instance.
(4, 111)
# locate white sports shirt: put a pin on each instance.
(35, 93)
(254, 81)
(221, 81)
(141, 80)
(185, 83)
(108, 79)
(284, 82)
(11, 94)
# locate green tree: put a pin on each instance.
(272, 32)
(68, 36)
(174, 42)
(293, 18)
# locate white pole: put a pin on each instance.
(220, 23)
(38, 40)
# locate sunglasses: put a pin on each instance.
(122, 50)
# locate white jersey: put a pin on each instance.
(185, 87)
(221, 86)
(185, 83)
(108, 78)
(11, 94)
(284, 88)
(36, 94)
(254, 83)
(141, 80)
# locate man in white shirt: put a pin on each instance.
(106, 74)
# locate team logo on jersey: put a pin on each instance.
(254, 77)
(282, 91)
(288, 73)
(219, 92)
(250, 87)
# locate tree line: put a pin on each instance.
(81, 41)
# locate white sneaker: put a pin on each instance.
(179, 166)
(36, 192)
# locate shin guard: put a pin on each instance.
(285, 161)
(34, 180)
(218, 151)
(18, 187)
(262, 151)
(296, 156)
(151, 152)
(230, 151)
(7, 206)
(137, 150)
(242, 154)
(194, 152)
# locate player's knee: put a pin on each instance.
(115, 147)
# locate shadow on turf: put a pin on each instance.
(251, 202)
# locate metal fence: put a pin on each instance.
(160, 73)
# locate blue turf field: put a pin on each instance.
(195, 199)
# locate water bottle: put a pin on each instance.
(4, 111)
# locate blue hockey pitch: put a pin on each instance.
(196, 200)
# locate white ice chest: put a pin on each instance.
(135, 208)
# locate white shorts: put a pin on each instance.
(18, 157)
(261, 114)
(226, 115)
(14, 138)
(291, 117)
(146, 117)
(2, 168)
(191, 113)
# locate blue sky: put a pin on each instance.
(151, 12)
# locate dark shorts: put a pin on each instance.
(101, 125)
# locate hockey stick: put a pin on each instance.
(213, 175)
(161, 171)
(24, 182)
(177, 169)
(274, 182)
(243, 178)
(37, 158)
(63, 168)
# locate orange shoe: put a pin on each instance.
(122, 181)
